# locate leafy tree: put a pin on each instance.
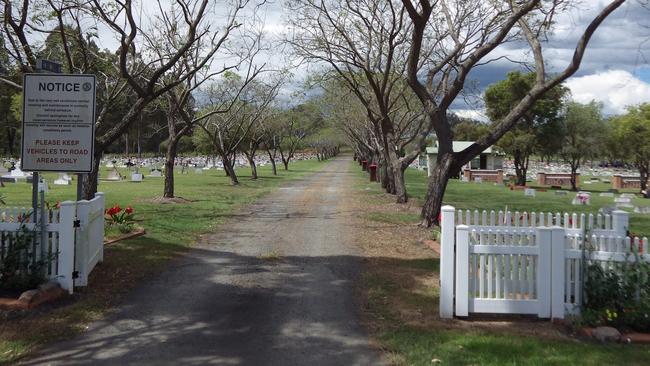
(467, 129)
(522, 140)
(584, 135)
(631, 134)
(298, 123)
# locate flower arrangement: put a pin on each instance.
(120, 218)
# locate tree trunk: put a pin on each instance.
(643, 173)
(520, 169)
(390, 175)
(436, 189)
(285, 162)
(230, 170)
(168, 190)
(89, 186)
(399, 185)
(574, 179)
(274, 168)
(251, 162)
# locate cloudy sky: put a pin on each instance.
(614, 71)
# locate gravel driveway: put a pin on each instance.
(274, 286)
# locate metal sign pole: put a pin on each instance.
(80, 183)
(35, 180)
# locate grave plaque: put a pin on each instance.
(136, 177)
(529, 192)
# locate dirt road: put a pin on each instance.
(274, 286)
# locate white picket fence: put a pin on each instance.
(71, 236)
(520, 263)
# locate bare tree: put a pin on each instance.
(182, 110)
(139, 72)
(366, 43)
(226, 131)
(460, 36)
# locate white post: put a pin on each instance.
(447, 228)
(462, 270)
(557, 272)
(66, 246)
(544, 270)
(82, 249)
(100, 225)
(620, 222)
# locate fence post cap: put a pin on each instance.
(462, 227)
(447, 208)
(619, 212)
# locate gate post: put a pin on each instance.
(620, 222)
(462, 270)
(558, 259)
(82, 249)
(544, 270)
(66, 246)
(447, 241)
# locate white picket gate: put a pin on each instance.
(512, 263)
(90, 237)
(72, 236)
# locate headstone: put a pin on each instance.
(114, 175)
(62, 180)
(42, 186)
(628, 195)
(561, 193)
(582, 198)
(136, 177)
(478, 180)
(17, 173)
(623, 202)
(198, 170)
(606, 194)
(529, 192)
(156, 173)
(642, 210)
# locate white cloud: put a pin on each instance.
(616, 89)
(476, 114)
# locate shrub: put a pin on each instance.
(20, 270)
(618, 294)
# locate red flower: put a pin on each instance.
(129, 210)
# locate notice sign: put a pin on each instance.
(58, 122)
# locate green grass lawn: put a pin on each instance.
(171, 229)
(488, 196)
(397, 289)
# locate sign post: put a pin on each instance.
(58, 131)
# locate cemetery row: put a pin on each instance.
(151, 167)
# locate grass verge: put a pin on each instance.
(171, 229)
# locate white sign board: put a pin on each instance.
(58, 123)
